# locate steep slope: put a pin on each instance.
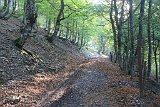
(21, 69)
(16, 63)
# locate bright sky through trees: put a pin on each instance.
(96, 1)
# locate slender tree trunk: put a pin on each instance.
(117, 23)
(126, 53)
(120, 33)
(132, 38)
(67, 30)
(156, 63)
(127, 50)
(114, 31)
(24, 13)
(5, 4)
(70, 34)
(149, 39)
(82, 41)
(78, 37)
(5, 9)
(159, 57)
(58, 22)
(9, 14)
(144, 69)
(76, 32)
(119, 27)
(155, 47)
(49, 26)
(139, 50)
(73, 31)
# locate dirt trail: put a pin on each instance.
(88, 88)
(86, 91)
(100, 83)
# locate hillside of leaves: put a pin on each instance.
(38, 56)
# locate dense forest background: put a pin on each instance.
(125, 30)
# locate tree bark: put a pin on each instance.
(149, 39)
(67, 30)
(132, 38)
(78, 37)
(156, 63)
(139, 50)
(119, 28)
(159, 57)
(30, 18)
(73, 32)
(5, 10)
(48, 25)
(58, 22)
(114, 31)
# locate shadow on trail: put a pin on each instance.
(86, 91)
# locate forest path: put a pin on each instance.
(88, 89)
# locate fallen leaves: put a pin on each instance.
(100, 65)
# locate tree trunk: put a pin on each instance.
(127, 49)
(10, 14)
(159, 57)
(144, 69)
(119, 27)
(76, 32)
(5, 9)
(67, 30)
(73, 32)
(78, 37)
(126, 54)
(156, 63)
(139, 50)
(82, 41)
(30, 17)
(132, 38)
(114, 31)
(149, 40)
(58, 22)
(49, 25)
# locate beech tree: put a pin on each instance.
(60, 18)
(132, 37)
(113, 30)
(149, 39)
(30, 19)
(8, 10)
(139, 49)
